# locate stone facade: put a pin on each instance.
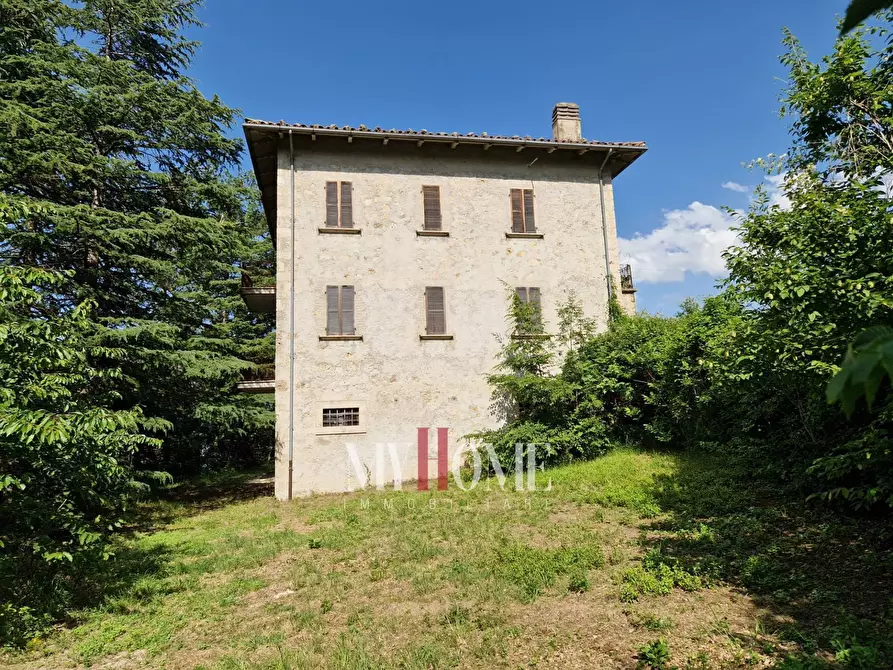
(397, 380)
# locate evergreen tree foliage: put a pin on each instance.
(131, 166)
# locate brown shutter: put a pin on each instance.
(332, 204)
(529, 225)
(333, 327)
(522, 293)
(347, 300)
(517, 211)
(346, 205)
(431, 199)
(434, 311)
(534, 294)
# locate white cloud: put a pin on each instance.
(689, 240)
(735, 186)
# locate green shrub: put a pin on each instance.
(20, 624)
(66, 453)
(654, 655)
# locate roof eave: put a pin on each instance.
(441, 138)
(268, 195)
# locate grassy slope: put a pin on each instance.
(621, 551)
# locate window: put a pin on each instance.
(337, 417)
(529, 295)
(339, 205)
(533, 320)
(431, 201)
(339, 310)
(340, 416)
(522, 210)
(435, 314)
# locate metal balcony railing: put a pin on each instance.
(626, 278)
(259, 380)
(258, 298)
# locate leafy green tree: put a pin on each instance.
(747, 372)
(845, 129)
(844, 123)
(527, 395)
(839, 108)
(859, 10)
(574, 327)
(66, 449)
(867, 365)
(131, 166)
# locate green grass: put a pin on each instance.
(585, 574)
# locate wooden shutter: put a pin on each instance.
(332, 204)
(347, 320)
(346, 205)
(522, 293)
(529, 225)
(434, 311)
(431, 199)
(333, 325)
(517, 210)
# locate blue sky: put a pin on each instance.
(697, 80)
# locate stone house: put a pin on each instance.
(396, 252)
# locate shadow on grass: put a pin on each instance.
(53, 591)
(108, 579)
(826, 577)
(201, 494)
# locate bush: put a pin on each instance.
(65, 452)
(747, 372)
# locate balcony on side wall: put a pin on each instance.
(626, 279)
(261, 299)
(627, 290)
(260, 380)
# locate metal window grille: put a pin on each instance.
(340, 416)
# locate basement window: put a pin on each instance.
(338, 417)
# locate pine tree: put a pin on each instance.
(132, 165)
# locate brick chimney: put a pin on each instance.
(566, 122)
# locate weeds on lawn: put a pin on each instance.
(658, 575)
(650, 621)
(578, 583)
(654, 655)
(531, 570)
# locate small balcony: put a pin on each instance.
(261, 299)
(260, 380)
(626, 279)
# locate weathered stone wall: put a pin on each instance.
(400, 382)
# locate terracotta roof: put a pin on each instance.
(262, 139)
(426, 133)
